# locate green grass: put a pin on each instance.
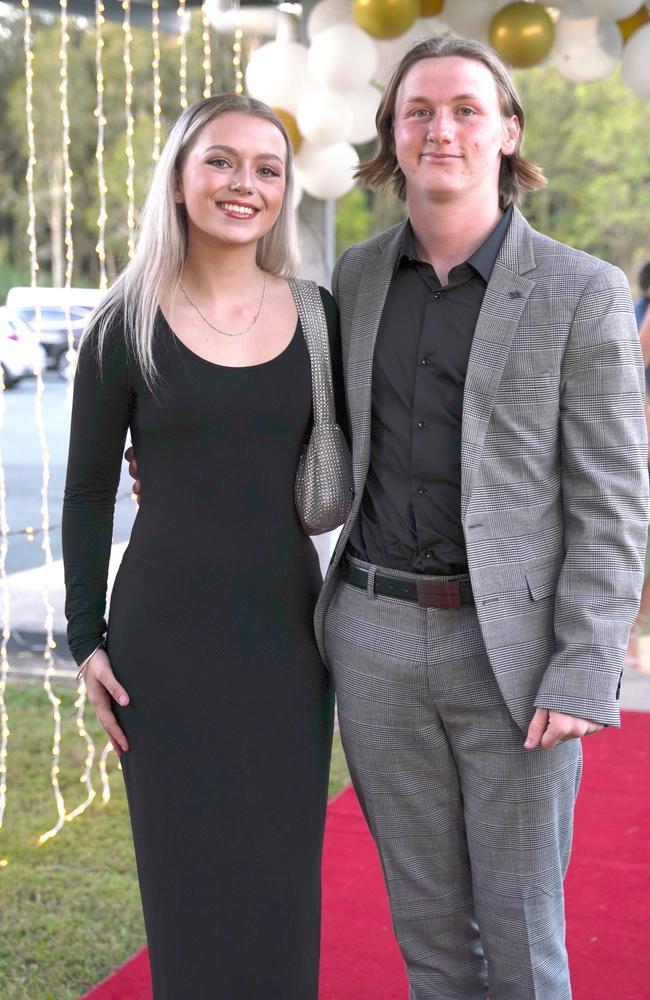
(69, 909)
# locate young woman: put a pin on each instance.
(209, 676)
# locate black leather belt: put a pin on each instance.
(427, 593)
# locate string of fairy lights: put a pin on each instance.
(206, 65)
(93, 758)
(65, 158)
(102, 189)
(182, 48)
(130, 125)
(157, 92)
(237, 60)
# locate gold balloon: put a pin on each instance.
(522, 34)
(386, 18)
(628, 25)
(291, 126)
(430, 8)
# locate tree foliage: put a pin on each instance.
(592, 142)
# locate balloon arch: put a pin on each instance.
(328, 91)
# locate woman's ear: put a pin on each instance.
(178, 189)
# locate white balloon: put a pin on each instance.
(390, 52)
(572, 8)
(326, 171)
(327, 13)
(471, 20)
(636, 63)
(278, 74)
(324, 117)
(586, 50)
(363, 103)
(613, 10)
(342, 57)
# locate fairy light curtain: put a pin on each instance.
(169, 52)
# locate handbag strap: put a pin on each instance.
(309, 304)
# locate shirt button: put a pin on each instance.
(428, 554)
(437, 296)
(425, 362)
(421, 424)
(420, 491)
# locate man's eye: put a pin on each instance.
(420, 113)
(466, 112)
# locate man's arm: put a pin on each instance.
(605, 496)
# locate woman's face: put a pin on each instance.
(232, 182)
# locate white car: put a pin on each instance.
(21, 355)
(55, 314)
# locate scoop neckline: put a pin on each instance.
(234, 368)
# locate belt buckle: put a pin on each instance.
(438, 593)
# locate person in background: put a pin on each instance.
(478, 604)
(643, 301)
(209, 682)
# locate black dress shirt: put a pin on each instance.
(410, 512)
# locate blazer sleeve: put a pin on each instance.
(604, 476)
(100, 417)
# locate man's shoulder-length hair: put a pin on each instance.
(518, 175)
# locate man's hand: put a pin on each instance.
(129, 455)
(549, 728)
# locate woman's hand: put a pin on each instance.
(102, 686)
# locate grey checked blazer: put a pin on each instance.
(554, 463)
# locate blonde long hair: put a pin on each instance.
(161, 246)
(517, 175)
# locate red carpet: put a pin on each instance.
(608, 890)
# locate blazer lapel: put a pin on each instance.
(505, 299)
(370, 298)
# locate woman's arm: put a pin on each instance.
(100, 418)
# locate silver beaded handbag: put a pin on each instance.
(324, 485)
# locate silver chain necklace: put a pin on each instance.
(216, 328)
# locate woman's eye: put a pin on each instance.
(218, 161)
(269, 172)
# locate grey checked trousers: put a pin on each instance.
(473, 832)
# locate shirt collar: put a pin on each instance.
(482, 260)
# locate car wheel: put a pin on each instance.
(8, 380)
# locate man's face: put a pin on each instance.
(449, 131)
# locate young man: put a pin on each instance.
(478, 604)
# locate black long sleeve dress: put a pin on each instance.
(210, 632)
